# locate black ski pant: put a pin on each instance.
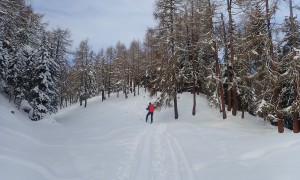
(149, 113)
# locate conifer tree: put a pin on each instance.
(44, 92)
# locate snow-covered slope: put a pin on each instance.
(110, 141)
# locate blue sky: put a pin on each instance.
(103, 22)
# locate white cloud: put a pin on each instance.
(103, 22)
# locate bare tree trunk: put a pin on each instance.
(102, 94)
(126, 95)
(175, 104)
(280, 122)
(134, 91)
(243, 112)
(194, 99)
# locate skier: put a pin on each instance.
(150, 109)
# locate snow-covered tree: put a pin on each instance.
(290, 74)
(44, 93)
(60, 44)
(167, 13)
(85, 73)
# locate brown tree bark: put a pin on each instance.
(280, 122)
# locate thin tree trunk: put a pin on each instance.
(126, 95)
(243, 112)
(134, 91)
(278, 113)
(194, 99)
(194, 65)
(229, 6)
(175, 105)
(102, 94)
(280, 122)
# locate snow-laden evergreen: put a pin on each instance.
(44, 93)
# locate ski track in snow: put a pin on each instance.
(144, 158)
(156, 155)
(187, 167)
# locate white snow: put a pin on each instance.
(25, 105)
(110, 140)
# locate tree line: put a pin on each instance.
(232, 51)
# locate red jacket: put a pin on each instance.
(151, 108)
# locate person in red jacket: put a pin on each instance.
(150, 109)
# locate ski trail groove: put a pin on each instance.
(144, 164)
(181, 156)
(127, 168)
(174, 159)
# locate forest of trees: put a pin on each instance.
(232, 51)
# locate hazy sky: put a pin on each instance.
(103, 22)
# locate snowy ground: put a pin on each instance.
(111, 141)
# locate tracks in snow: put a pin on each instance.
(156, 155)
